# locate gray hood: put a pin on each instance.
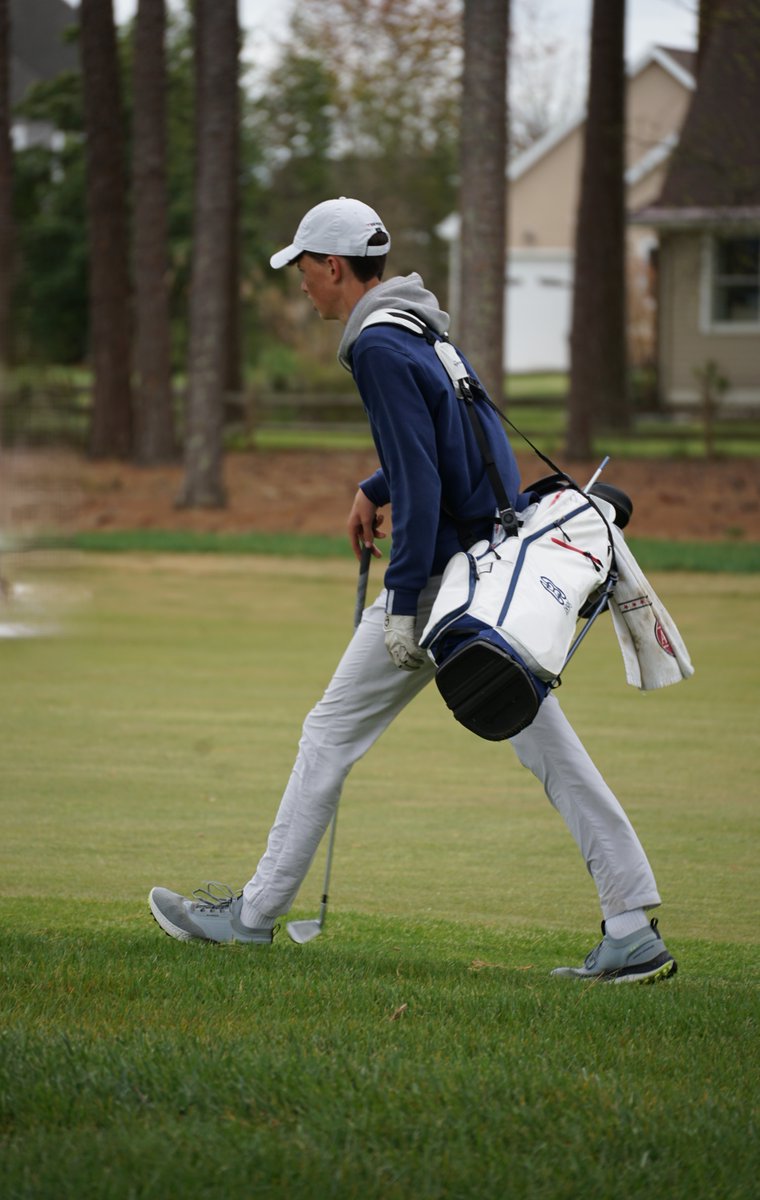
(402, 291)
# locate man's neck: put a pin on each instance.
(353, 292)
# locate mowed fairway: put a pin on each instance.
(419, 1047)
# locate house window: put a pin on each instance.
(736, 281)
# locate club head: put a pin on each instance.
(303, 931)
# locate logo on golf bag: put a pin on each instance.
(662, 638)
(553, 590)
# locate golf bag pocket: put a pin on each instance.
(505, 616)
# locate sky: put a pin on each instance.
(667, 22)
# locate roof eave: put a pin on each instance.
(698, 217)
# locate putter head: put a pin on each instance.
(303, 931)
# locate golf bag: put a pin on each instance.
(501, 627)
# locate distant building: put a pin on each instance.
(544, 187)
(38, 51)
(707, 216)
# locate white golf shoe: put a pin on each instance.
(212, 914)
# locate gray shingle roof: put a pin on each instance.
(686, 59)
(38, 49)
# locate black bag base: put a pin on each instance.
(488, 691)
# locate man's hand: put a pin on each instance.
(400, 643)
(364, 523)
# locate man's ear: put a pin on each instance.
(337, 269)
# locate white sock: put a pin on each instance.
(254, 918)
(624, 923)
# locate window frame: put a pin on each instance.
(709, 323)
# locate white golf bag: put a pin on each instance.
(503, 625)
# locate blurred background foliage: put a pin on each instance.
(321, 120)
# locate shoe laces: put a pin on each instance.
(215, 897)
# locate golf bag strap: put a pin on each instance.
(507, 514)
(469, 391)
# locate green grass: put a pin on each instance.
(289, 438)
(190, 541)
(154, 1069)
(542, 385)
(543, 425)
(149, 742)
(546, 429)
(653, 554)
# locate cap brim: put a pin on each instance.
(283, 257)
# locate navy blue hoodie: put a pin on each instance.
(431, 469)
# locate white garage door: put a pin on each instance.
(539, 293)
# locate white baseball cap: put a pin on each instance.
(335, 227)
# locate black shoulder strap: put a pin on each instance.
(507, 514)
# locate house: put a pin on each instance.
(544, 185)
(38, 51)
(707, 217)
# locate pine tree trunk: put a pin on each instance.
(233, 374)
(111, 430)
(217, 78)
(483, 191)
(7, 240)
(598, 396)
(154, 422)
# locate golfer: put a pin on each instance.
(432, 475)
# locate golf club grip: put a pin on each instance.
(361, 586)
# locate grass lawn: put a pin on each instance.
(652, 554)
(653, 438)
(418, 1048)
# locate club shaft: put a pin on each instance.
(597, 472)
(361, 597)
(328, 867)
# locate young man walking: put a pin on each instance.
(432, 474)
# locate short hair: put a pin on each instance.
(364, 266)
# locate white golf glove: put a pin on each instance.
(400, 643)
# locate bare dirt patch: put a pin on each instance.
(311, 492)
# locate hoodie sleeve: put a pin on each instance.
(375, 488)
(393, 392)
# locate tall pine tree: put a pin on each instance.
(6, 193)
(154, 424)
(217, 39)
(598, 397)
(109, 324)
(483, 191)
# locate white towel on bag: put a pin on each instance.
(653, 650)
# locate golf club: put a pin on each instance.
(305, 931)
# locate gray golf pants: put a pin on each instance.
(365, 694)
